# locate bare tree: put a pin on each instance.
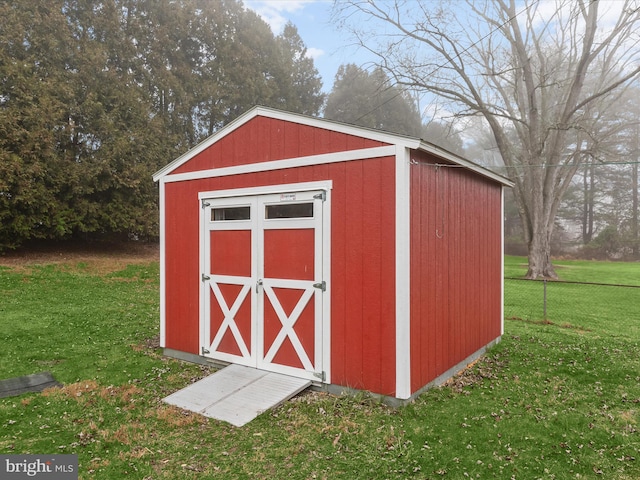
(539, 73)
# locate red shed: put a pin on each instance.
(351, 257)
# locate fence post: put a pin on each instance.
(545, 298)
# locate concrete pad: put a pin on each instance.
(237, 394)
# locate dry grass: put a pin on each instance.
(76, 390)
(177, 417)
(94, 259)
(89, 390)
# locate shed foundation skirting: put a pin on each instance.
(187, 357)
(340, 390)
(397, 402)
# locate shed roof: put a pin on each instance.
(413, 143)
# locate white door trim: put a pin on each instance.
(257, 197)
(326, 185)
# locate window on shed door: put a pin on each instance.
(289, 210)
(230, 213)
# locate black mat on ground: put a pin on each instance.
(29, 383)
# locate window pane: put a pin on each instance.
(289, 210)
(230, 213)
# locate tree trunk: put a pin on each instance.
(540, 265)
(588, 198)
(537, 218)
(634, 216)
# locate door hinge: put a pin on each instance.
(205, 277)
(321, 196)
(321, 375)
(322, 286)
(205, 351)
(205, 204)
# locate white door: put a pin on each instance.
(262, 281)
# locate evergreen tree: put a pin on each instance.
(371, 100)
(302, 93)
(96, 96)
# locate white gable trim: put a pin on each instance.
(202, 146)
(334, 126)
(287, 117)
(343, 156)
(321, 123)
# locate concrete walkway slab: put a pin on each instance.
(237, 394)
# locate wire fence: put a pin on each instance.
(584, 305)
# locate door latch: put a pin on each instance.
(322, 286)
(258, 285)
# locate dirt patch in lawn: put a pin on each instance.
(98, 258)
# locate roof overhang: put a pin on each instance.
(463, 162)
(368, 133)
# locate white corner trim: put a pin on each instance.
(343, 156)
(403, 284)
(502, 260)
(163, 284)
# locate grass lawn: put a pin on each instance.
(555, 400)
(606, 309)
(620, 273)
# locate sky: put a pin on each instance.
(328, 46)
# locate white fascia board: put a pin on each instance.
(403, 274)
(451, 157)
(335, 126)
(321, 123)
(343, 156)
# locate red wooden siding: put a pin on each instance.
(455, 266)
(362, 243)
(263, 139)
(182, 270)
